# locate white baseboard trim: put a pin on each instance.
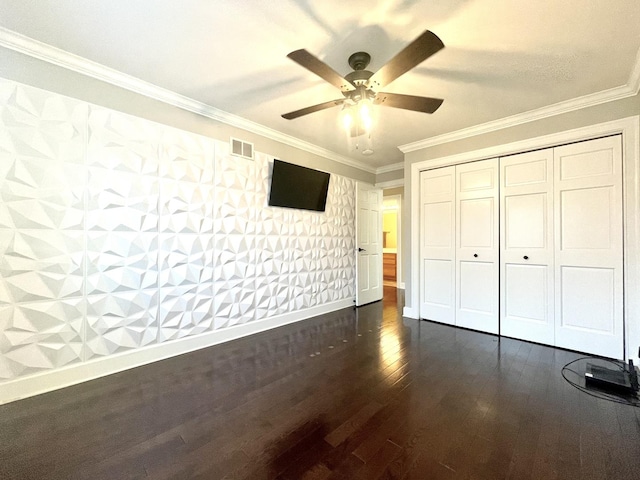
(410, 313)
(82, 372)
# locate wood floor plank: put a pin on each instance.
(344, 431)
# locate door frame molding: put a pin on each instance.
(629, 128)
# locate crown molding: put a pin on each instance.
(578, 103)
(390, 168)
(42, 51)
(634, 78)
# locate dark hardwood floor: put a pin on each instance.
(356, 394)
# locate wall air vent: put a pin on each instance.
(241, 149)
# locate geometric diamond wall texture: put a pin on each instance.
(117, 233)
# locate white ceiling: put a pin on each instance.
(502, 57)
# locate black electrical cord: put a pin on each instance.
(631, 399)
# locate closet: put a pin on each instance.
(528, 246)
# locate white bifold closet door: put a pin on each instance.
(555, 216)
(437, 245)
(526, 238)
(477, 245)
(459, 245)
(589, 247)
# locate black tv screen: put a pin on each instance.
(293, 186)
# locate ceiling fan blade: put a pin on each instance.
(314, 108)
(408, 102)
(413, 54)
(324, 71)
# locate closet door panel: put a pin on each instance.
(438, 289)
(477, 245)
(477, 223)
(588, 240)
(437, 245)
(476, 287)
(526, 296)
(526, 220)
(526, 238)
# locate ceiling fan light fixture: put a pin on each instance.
(360, 88)
(365, 145)
(347, 115)
(365, 111)
(357, 117)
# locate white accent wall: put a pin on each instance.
(120, 235)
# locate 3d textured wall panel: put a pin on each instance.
(121, 261)
(234, 239)
(304, 258)
(122, 232)
(42, 148)
(186, 157)
(40, 335)
(122, 159)
(186, 250)
(186, 183)
(185, 259)
(121, 321)
(185, 310)
(275, 285)
(185, 207)
(274, 288)
(340, 232)
(117, 233)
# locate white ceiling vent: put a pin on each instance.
(241, 149)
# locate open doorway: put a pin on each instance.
(391, 239)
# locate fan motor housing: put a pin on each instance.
(359, 60)
(358, 77)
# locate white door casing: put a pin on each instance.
(477, 245)
(589, 247)
(527, 247)
(368, 244)
(437, 245)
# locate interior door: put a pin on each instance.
(477, 245)
(369, 244)
(588, 239)
(437, 245)
(526, 239)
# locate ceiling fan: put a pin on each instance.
(362, 84)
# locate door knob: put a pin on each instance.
(526, 257)
(475, 255)
(361, 249)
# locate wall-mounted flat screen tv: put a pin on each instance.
(293, 186)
